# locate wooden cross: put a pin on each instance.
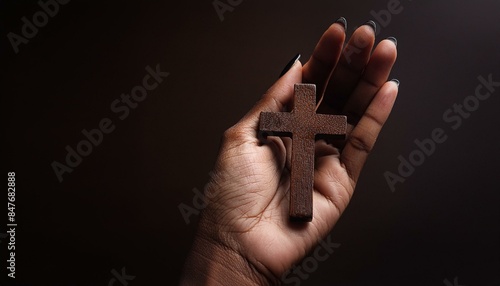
(304, 126)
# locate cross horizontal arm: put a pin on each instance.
(277, 123)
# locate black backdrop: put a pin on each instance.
(118, 210)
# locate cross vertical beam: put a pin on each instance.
(302, 124)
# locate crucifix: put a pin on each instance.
(304, 126)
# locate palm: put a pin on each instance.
(251, 181)
(259, 209)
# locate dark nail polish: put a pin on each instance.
(290, 65)
(395, 81)
(394, 40)
(342, 21)
(372, 24)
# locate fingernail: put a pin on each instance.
(394, 40)
(372, 24)
(290, 65)
(342, 21)
(396, 81)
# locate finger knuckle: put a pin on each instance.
(362, 144)
(233, 133)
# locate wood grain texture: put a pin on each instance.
(303, 125)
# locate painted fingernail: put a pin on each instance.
(396, 81)
(372, 24)
(290, 65)
(394, 40)
(342, 21)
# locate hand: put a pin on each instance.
(245, 235)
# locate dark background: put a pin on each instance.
(119, 207)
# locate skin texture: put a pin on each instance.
(244, 236)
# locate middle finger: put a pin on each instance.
(350, 66)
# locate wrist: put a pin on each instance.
(215, 261)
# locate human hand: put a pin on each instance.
(245, 235)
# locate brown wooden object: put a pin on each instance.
(304, 126)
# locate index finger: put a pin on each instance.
(326, 54)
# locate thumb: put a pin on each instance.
(276, 98)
